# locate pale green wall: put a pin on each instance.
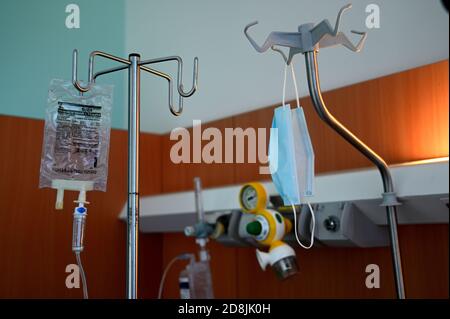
(36, 46)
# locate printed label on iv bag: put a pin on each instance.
(76, 135)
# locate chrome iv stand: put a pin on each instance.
(308, 40)
(134, 64)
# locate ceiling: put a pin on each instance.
(234, 78)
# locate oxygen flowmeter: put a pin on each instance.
(268, 227)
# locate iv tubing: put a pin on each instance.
(83, 275)
(166, 270)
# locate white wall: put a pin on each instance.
(234, 78)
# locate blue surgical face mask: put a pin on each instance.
(291, 158)
(291, 155)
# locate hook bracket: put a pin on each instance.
(309, 38)
(92, 76)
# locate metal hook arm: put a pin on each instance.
(291, 40)
(75, 81)
(267, 44)
(283, 55)
(324, 27)
(325, 36)
(194, 78)
(180, 73)
(172, 109)
(341, 39)
(180, 89)
(287, 39)
(91, 77)
(123, 67)
(361, 42)
(338, 19)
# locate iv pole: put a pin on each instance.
(308, 40)
(134, 66)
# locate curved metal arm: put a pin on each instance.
(75, 82)
(324, 27)
(180, 87)
(172, 109)
(360, 44)
(267, 44)
(341, 39)
(286, 39)
(338, 19)
(283, 55)
(291, 40)
(91, 77)
(324, 35)
(327, 117)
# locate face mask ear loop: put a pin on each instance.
(296, 226)
(284, 85)
(295, 84)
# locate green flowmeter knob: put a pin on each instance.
(254, 228)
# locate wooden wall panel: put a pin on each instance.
(340, 272)
(257, 119)
(425, 260)
(404, 117)
(35, 240)
(179, 177)
(323, 273)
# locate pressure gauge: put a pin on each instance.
(253, 197)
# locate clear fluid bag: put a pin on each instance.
(200, 280)
(76, 136)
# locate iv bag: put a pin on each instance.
(76, 136)
(200, 280)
